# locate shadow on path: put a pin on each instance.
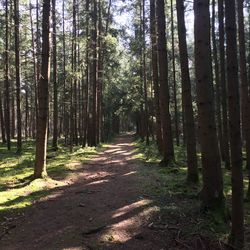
(103, 207)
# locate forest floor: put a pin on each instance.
(116, 200)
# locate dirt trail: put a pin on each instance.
(102, 207)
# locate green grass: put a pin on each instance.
(178, 199)
(18, 190)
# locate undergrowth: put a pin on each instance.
(179, 201)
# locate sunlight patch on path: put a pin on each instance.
(126, 229)
(121, 211)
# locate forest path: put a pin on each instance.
(102, 207)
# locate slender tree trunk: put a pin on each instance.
(168, 148)
(55, 103)
(144, 73)
(187, 96)
(99, 78)
(35, 67)
(26, 123)
(86, 97)
(101, 66)
(94, 74)
(176, 115)
(13, 111)
(7, 81)
(38, 61)
(65, 113)
(73, 101)
(74, 70)
(217, 78)
(79, 80)
(2, 119)
(225, 139)
(18, 88)
(26, 113)
(212, 192)
(237, 230)
(245, 97)
(43, 96)
(155, 74)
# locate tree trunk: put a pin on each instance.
(65, 97)
(155, 74)
(212, 192)
(144, 73)
(225, 139)
(217, 78)
(167, 137)
(94, 74)
(55, 103)
(237, 231)
(86, 96)
(38, 61)
(7, 81)
(35, 68)
(176, 115)
(18, 83)
(43, 96)
(245, 98)
(2, 120)
(187, 96)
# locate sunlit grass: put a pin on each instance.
(17, 187)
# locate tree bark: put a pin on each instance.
(212, 192)
(7, 81)
(55, 91)
(217, 79)
(245, 97)
(86, 97)
(144, 73)
(43, 96)
(237, 231)
(18, 83)
(155, 74)
(187, 96)
(167, 137)
(225, 139)
(94, 75)
(176, 115)
(2, 120)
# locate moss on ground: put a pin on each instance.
(17, 187)
(178, 199)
